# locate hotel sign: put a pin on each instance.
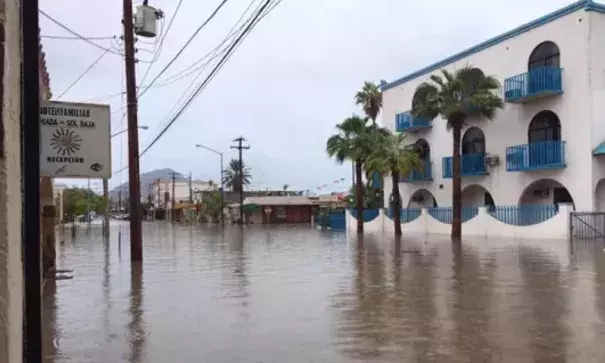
(75, 140)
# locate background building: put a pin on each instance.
(539, 148)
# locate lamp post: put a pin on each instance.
(222, 189)
(142, 127)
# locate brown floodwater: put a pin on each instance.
(295, 294)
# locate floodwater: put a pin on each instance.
(295, 294)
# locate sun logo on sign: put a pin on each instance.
(65, 141)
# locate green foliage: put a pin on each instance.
(370, 99)
(78, 201)
(372, 198)
(456, 96)
(231, 177)
(212, 205)
(352, 142)
(390, 156)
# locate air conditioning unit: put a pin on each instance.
(491, 160)
(417, 199)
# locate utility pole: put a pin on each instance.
(173, 199)
(30, 183)
(240, 140)
(106, 214)
(190, 190)
(136, 241)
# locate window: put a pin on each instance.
(545, 55)
(473, 141)
(545, 126)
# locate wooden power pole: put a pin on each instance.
(240, 140)
(106, 212)
(136, 238)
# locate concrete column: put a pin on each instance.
(11, 270)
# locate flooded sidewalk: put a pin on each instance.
(295, 294)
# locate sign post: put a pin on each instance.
(75, 140)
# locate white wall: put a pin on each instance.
(482, 225)
(11, 272)
(181, 190)
(509, 128)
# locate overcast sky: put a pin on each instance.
(285, 87)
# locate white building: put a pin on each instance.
(545, 145)
(162, 190)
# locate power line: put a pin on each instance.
(177, 55)
(207, 80)
(81, 37)
(161, 42)
(76, 38)
(84, 73)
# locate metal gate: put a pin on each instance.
(587, 225)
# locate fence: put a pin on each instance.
(533, 221)
(332, 221)
(368, 214)
(523, 215)
(444, 214)
(407, 214)
(587, 225)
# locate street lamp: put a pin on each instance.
(222, 189)
(142, 127)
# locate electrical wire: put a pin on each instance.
(76, 38)
(213, 73)
(161, 42)
(81, 37)
(83, 73)
(203, 85)
(218, 8)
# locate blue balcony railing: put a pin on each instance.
(445, 214)
(405, 122)
(471, 164)
(536, 156)
(538, 82)
(425, 174)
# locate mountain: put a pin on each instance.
(146, 180)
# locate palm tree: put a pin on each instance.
(231, 175)
(456, 97)
(352, 142)
(389, 156)
(370, 99)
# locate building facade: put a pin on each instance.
(543, 146)
(161, 191)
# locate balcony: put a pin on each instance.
(420, 175)
(471, 165)
(541, 155)
(405, 122)
(537, 83)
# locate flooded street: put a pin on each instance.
(294, 294)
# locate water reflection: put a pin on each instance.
(294, 294)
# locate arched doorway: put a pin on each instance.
(546, 54)
(473, 141)
(546, 191)
(477, 196)
(422, 198)
(544, 126)
(544, 138)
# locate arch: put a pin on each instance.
(422, 198)
(476, 195)
(546, 191)
(546, 54)
(544, 126)
(420, 95)
(423, 149)
(473, 141)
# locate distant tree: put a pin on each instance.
(78, 201)
(231, 177)
(212, 205)
(370, 99)
(286, 186)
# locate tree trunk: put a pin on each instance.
(396, 203)
(359, 196)
(456, 184)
